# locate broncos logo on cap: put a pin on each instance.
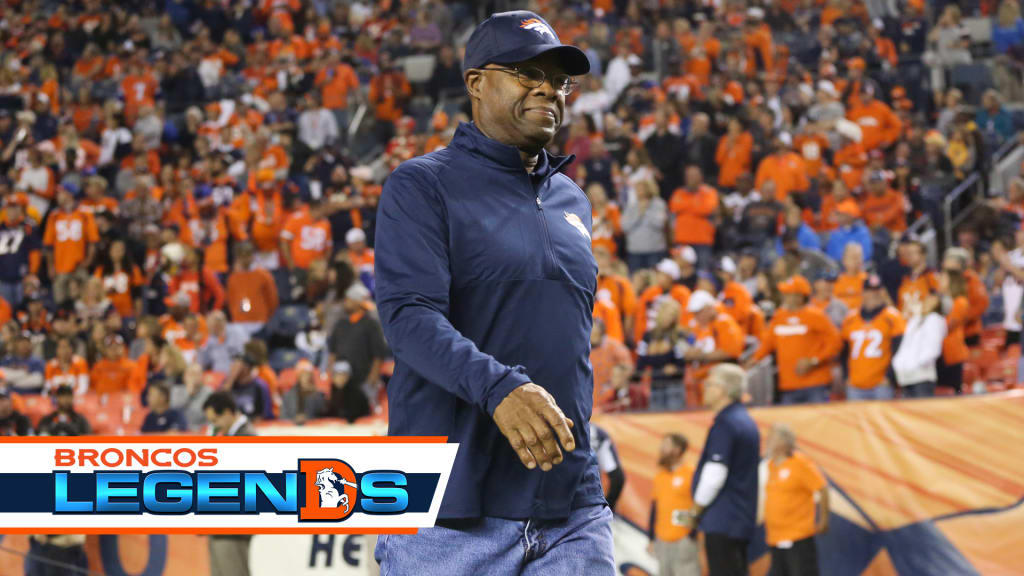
(537, 26)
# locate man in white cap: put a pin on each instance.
(716, 335)
(686, 259)
(362, 258)
(357, 338)
(666, 273)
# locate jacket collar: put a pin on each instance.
(469, 138)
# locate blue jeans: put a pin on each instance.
(880, 392)
(12, 293)
(581, 544)
(667, 396)
(813, 395)
(922, 390)
(638, 261)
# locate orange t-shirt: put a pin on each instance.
(118, 287)
(138, 90)
(871, 345)
(308, 239)
(646, 309)
(737, 302)
(722, 334)
(605, 311)
(789, 499)
(879, 124)
(954, 349)
(335, 85)
(621, 291)
(849, 163)
(75, 375)
(788, 173)
(806, 333)
(734, 159)
(672, 491)
(110, 376)
(606, 227)
(916, 289)
(693, 211)
(69, 233)
(885, 211)
(978, 299)
(849, 289)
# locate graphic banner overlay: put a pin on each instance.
(222, 485)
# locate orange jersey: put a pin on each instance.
(362, 261)
(878, 123)
(723, 334)
(870, 343)
(646, 307)
(266, 217)
(693, 212)
(335, 84)
(214, 236)
(621, 292)
(114, 376)
(789, 499)
(671, 492)
(954, 349)
(885, 211)
(977, 298)
(76, 375)
(104, 204)
(849, 162)
(138, 91)
(606, 227)
(791, 336)
(309, 239)
(788, 173)
(737, 302)
(607, 313)
(914, 290)
(118, 288)
(69, 234)
(175, 334)
(734, 158)
(812, 149)
(849, 289)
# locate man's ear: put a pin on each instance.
(474, 82)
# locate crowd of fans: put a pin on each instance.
(189, 191)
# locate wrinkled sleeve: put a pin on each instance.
(413, 282)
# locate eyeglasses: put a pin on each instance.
(532, 77)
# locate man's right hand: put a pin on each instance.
(534, 425)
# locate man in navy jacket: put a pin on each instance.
(486, 286)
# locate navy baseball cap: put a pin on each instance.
(511, 37)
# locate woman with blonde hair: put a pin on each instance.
(1008, 32)
(954, 306)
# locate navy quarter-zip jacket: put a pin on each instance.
(486, 281)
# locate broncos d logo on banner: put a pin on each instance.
(538, 26)
(328, 482)
(330, 490)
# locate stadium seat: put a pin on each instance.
(287, 322)
(36, 407)
(286, 379)
(213, 379)
(283, 358)
(972, 80)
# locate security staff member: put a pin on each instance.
(725, 485)
(486, 286)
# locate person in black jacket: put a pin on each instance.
(64, 421)
(181, 87)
